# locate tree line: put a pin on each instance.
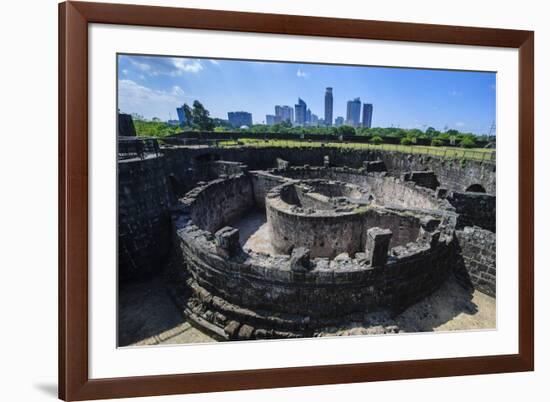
(197, 119)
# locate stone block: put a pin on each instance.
(377, 246)
(374, 166)
(282, 164)
(326, 161)
(300, 259)
(227, 240)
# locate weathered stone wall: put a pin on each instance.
(405, 227)
(474, 209)
(476, 264)
(455, 175)
(144, 232)
(326, 233)
(452, 174)
(264, 291)
(385, 189)
(215, 203)
(262, 182)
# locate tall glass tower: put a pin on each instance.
(328, 106)
(300, 110)
(353, 115)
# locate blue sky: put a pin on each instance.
(154, 86)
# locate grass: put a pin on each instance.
(446, 152)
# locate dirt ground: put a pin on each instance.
(148, 316)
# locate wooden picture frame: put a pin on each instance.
(74, 381)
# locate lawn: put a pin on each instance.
(481, 154)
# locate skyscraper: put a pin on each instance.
(284, 113)
(328, 106)
(181, 116)
(300, 110)
(353, 113)
(308, 117)
(339, 121)
(367, 115)
(271, 119)
(239, 119)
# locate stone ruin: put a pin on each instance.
(337, 242)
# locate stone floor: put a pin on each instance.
(254, 232)
(147, 315)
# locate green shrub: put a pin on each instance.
(406, 141)
(467, 142)
(436, 142)
(376, 140)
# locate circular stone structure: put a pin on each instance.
(327, 217)
(347, 243)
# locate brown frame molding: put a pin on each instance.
(74, 17)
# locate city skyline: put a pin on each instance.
(154, 86)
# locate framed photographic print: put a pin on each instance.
(260, 200)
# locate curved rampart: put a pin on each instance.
(281, 296)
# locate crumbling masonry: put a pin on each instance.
(351, 232)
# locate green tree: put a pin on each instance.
(346, 130)
(407, 141)
(468, 142)
(376, 140)
(201, 117)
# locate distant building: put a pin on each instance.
(181, 116)
(173, 123)
(239, 119)
(339, 121)
(314, 120)
(308, 117)
(353, 113)
(284, 113)
(367, 115)
(328, 107)
(300, 111)
(271, 119)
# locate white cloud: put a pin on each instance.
(186, 66)
(170, 66)
(215, 62)
(301, 74)
(149, 102)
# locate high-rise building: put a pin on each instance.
(271, 119)
(308, 117)
(239, 119)
(314, 120)
(339, 121)
(353, 113)
(367, 115)
(300, 111)
(284, 113)
(181, 116)
(328, 106)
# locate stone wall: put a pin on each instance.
(144, 232)
(452, 174)
(476, 264)
(474, 209)
(216, 203)
(326, 233)
(405, 227)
